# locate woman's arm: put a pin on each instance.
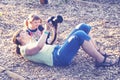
(31, 50)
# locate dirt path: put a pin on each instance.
(104, 17)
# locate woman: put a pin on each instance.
(60, 55)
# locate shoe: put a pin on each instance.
(107, 64)
(105, 55)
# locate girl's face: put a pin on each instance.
(34, 24)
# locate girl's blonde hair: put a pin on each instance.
(31, 18)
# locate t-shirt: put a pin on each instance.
(44, 56)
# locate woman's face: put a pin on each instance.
(24, 37)
(35, 23)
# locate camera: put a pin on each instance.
(55, 20)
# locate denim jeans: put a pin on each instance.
(63, 54)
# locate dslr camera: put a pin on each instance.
(55, 20)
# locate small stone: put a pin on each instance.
(14, 75)
(2, 69)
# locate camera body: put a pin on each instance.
(55, 20)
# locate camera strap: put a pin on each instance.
(30, 32)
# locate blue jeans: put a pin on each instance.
(63, 54)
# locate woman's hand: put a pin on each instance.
(48, 26)
(52, 33)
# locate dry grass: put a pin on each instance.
(104, 18)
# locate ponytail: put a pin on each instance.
(26, 23)
(18, 49)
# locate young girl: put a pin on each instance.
(33, 25)
(60, 55)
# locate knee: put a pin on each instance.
(79, 25)
(86, 28)
(82, 35)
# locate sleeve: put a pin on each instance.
(22, 50)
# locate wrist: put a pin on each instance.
(46, 32)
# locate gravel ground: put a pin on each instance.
(102, 15)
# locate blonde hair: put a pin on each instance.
(31, 18)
